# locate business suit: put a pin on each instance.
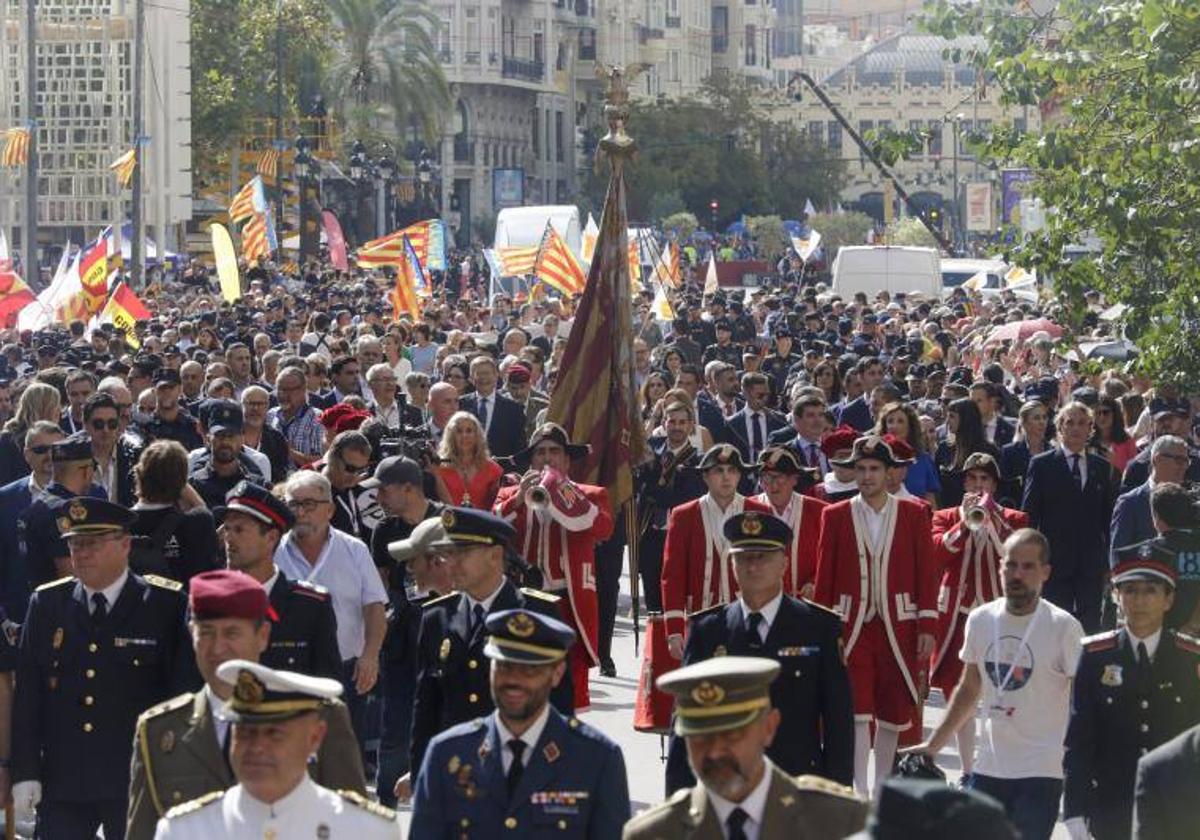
(1132, 521)
(1138, 470)
(573, 784)
(1006, 430)
(805, 808)
(1167, 788)
(812, 692)
(1075, 521)
(857, 414)
(737, 433)
(125, 457)
(178, 758)
(710, 416)
(506, 426)
(1014, 464)
(1119, 713)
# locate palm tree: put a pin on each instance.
(385, 66)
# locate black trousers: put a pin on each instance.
(81, 820)
(650, 559)
(1079, 591)
(608, 582)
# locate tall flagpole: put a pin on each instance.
(33, 275)
(136, 234)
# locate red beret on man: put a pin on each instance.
(900, 448)
(343, 418)
(225, 593)
(519, 373)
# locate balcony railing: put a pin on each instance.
(521, 68)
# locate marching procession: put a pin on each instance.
(350, 547)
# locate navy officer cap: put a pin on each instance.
(221, 416)
(468, 527)
(86, 515)
(77, 447)
(258, 502)
(527, 638)
(754, 531)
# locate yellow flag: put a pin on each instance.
(661, 307)
(227, 264)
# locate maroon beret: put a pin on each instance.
(519, 373)
(226, 593)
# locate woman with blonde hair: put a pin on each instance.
(467, 475)
(39, 401)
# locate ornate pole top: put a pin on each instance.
(616, 144)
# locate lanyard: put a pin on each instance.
(1002, 686)
(351, 511)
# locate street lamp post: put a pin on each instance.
(358, 174)
(304, 170)
(385, 178)
(425, 183)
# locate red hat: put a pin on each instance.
(901, 449)
(225, 593)
(519, 373)
(343, 418)
(841, 438)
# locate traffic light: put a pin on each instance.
(935, 219)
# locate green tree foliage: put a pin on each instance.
(233, 66)
(909, 231)
(1117, 156)
(722, 144)
(682, 225)
(839, 229)
(768, 234)
(385, 68)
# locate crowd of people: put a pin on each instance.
(264, 550)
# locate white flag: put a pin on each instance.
(805, 248)
(40, 314)
(3, 247)
(710, 280)
(590, 234)
(809, 210)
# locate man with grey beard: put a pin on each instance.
(723, 712)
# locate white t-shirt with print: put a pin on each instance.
(1025, 723)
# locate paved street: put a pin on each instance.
(612, 712)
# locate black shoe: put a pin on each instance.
(607, 668)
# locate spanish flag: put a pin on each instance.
(123, 311)
(124, 166)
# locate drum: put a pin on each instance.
(652, 709)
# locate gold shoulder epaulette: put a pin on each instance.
(163, 582)
(195, 804)
(820, 784)
(370, 806)
(439, 599)
(822, 608)
(55, 583)
(171, 705)
(530, 592)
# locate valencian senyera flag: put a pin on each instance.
(594, 397)
(16, 148)
(268, 163)
(409, 278)
(557, 266)
(428, 240)
(124, 166)
(250, 199)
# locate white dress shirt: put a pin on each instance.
(754, 805)
(1151, 642)
(768, 612)
(1083, 464)
(110, 592)
(529, 737)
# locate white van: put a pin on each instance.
(517, 226)
(891, 268)
(955, 272)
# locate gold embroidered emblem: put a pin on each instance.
(448, 518)
(1112, 676)
(751, 525)
(708, 694)
(77, 512)
(521, 626)
(249, 689)
(444, 653)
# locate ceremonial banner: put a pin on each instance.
(124, 166)
(254, 238)
(14, 294)
(38, 315)
(661, 306)
(123, 311)
(16, 148)
(227, 264)
(93, 276)
(517, 261)
(557, 266)
(336, 240)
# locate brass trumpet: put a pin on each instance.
(537, 497)
(977, 516)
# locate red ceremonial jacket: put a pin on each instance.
(802, 561)
(965, 582)
(564, 556)
(684, 558)
(908, 575)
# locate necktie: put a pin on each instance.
(728, 409)
(99, 607)
(516, 768)
(755, 637)
(483, 412)
(1143, 657)
(477, 621)
(1076, 473)
(814, 455)
(757, 435)
(734, 822)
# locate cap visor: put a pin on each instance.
(522, 654)
(403, 549)
(722, 723)
(370, 484)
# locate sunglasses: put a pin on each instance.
(101, 425)
(40, 449)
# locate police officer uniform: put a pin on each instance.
(1125, 704)
(812, 692)
(181, 745)
(221, 416)
(725, 694)
(262, 696)
(730, 354)
(777, 367)
(183, 428)
(559, 778)
(665, 482)
(89, 662)
(304, 630)
(38, 535)
(452, 672)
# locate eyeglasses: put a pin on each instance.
(255, 404)
(355, 469)
(101, 425)
(305, 505)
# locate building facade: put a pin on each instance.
(84, 98)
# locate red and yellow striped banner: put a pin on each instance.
(16, 148)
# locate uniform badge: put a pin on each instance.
(448, 519)
(57, 641)
(751, 525)
(77, 512)
(551, 752)
(521, 626)
(444, 653)
(708, 694)
(1111, 676)
(168, 741)
(455, 763)
(248, 689)
(720, 650)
